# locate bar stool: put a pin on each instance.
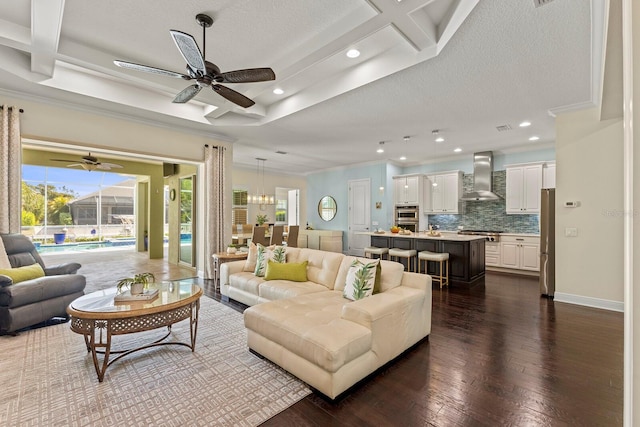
(409, 254)
(369, 251)
(440, 258)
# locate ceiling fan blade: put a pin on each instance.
(187, 94)
(190, 51)
(233, 96)
(76, 164)
(109, 166)
(63, 160)
(248, 76)
(153, 70)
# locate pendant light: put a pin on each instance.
(260, 197)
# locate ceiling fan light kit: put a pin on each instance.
(205, 73)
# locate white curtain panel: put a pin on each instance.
(214, 175)
(10, 171)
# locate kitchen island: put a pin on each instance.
(466, 253)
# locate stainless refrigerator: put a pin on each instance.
(548, 242)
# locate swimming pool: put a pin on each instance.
(87, 246)
(84, 246)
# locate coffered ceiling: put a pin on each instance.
(462, 67)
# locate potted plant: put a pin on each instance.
(136, 284)
(261, 219)
(232, 249)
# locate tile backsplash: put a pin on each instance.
(487, 215)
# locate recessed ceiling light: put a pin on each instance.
(439, 139)
(403, 158)
(278, 91)
(534, 138)
(457, 150)
(406, 138)
(525, 124)
(353, 53)
(380, 149)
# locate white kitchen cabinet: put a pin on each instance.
(524, 183)
(492, 254)
(407, 189)
(520, 252)
(446, 190)
(549, 175)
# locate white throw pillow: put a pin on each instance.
(274, 253)
(360, 280)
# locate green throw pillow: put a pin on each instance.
(376, 284)
(21, 274)
(293, 271)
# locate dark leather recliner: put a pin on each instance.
(34, 301)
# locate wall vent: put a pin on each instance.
(539, 3)
(503, 128)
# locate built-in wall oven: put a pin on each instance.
(407, 217)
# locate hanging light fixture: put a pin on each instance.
(260, 197)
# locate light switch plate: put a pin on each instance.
(571, 232)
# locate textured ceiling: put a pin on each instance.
(460, 66)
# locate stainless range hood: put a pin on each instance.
(482, 179)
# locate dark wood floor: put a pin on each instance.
(498, 354)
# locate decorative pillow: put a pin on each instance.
(293, 271)
(361, 278)
(376, 284)
(277, 254)
(21, 274)
(250, 263)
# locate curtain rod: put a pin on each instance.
(11, 108)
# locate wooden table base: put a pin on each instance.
(97, 333)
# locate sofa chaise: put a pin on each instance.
(32, 301)
(311, 330)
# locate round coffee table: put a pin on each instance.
(97, 317)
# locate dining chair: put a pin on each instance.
(260, 235)
(277, 235)
(292, 238)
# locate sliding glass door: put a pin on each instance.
(187, 220)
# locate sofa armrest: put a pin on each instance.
(68, 268)
(417, 281)
(5, 281)
(397, 318)
(229, 268)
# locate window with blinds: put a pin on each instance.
(239, 210)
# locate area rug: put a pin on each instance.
(47, 378)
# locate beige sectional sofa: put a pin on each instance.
(312, 331)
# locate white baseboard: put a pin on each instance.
(604, 304)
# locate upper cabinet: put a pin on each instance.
(524, 183)
(407, 189)
(442, 193)
(549, 175)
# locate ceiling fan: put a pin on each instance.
(89, 163)
(205, 73)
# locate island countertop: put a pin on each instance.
(449, 236)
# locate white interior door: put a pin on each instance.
(359, 215)
(293, 207)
